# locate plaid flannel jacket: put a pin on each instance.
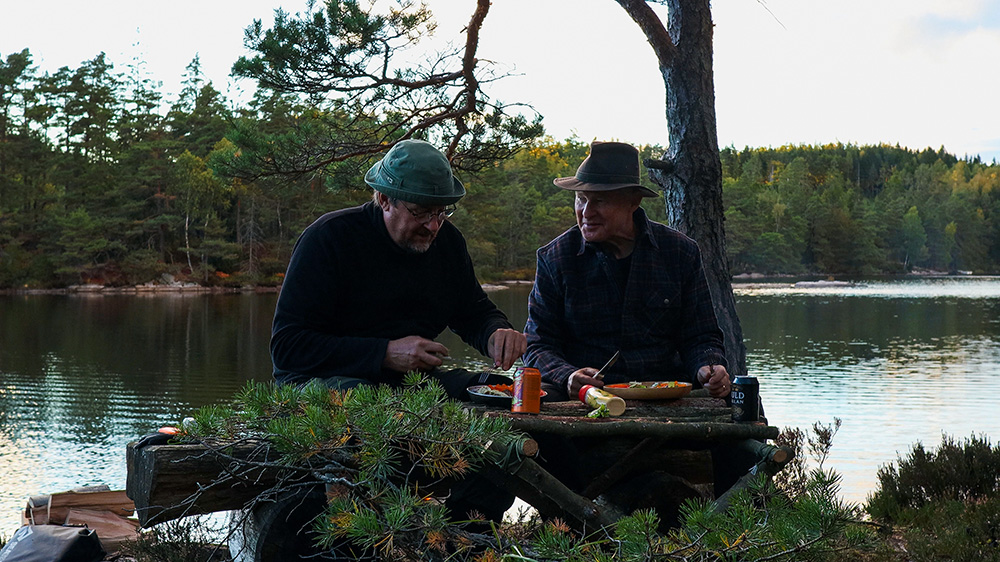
(663, 322)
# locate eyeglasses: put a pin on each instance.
(425, 217)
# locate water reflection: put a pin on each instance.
(898, 361)
(82, 376)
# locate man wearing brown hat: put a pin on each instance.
(369, 288)
(618, 281)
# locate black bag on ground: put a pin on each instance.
(53, 543)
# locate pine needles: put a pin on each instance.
(389, 457)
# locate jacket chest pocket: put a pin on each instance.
(590, 315)
(659, 315)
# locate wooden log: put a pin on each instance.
(53, 508)
(549, 496)
(765, 452)
(171, 481)
(708, 432)
(622, 468)
(661, 409)
(771, 461)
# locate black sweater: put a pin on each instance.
(349, 289)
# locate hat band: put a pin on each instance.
(590, 177)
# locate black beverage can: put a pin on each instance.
(745, 399)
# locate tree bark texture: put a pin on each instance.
(692, 183)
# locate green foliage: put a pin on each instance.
(914, 238)
(849, 209)
(383, 451)
(351, 65)
(98, 185)
(967, 472)
(945, 501)
(141, 266)
(761, 524)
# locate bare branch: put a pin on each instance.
(361, 101)
(651, 26)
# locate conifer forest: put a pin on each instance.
(104, 180)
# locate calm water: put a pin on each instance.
(81, 376)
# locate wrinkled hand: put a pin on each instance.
(581, 378)
(715, 379)
(506, 346)
(413, 353)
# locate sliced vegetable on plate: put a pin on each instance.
(650, 390)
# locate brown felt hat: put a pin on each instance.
(609, 166)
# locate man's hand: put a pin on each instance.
(506, 346)
(580, 378)
(413, 353)
(715, 379)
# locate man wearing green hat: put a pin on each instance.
(369, 288)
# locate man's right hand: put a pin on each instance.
(579, 379)
(413, 353)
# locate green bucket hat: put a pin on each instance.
(416, 172)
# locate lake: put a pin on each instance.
(899, 361)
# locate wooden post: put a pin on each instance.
(771, 460)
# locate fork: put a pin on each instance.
(485, 375)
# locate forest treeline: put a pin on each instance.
(104, 180)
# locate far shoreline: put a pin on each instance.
(741, 280)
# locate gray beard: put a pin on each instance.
(417, 248)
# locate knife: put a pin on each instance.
(600, 374)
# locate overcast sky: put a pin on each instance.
(914, 72)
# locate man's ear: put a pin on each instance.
(637, 199)
(382, 200)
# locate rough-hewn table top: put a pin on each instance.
(696, 416)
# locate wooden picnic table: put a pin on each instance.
(665, 446)
(591, 471)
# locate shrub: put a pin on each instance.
(183, 540)
(945, 500)
(142, 266)
(966, 473)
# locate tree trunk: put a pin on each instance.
(690, 172)
(187, 240)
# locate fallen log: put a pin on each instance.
(167, 482)
(171, 481)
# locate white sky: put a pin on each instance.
(914, 72)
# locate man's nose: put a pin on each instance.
(435, 222)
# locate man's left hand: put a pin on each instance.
(715, 379)
(506, 346)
